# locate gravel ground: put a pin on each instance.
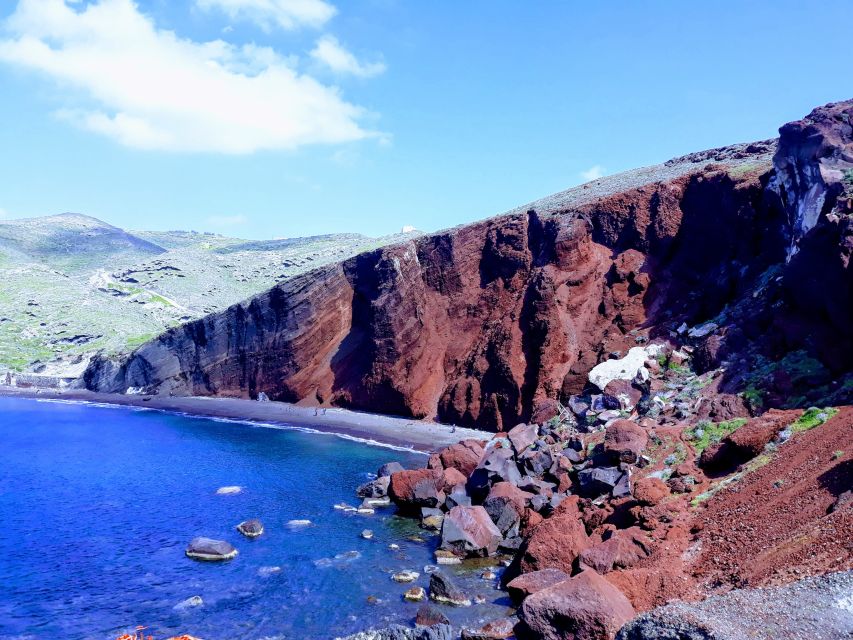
(819, 608)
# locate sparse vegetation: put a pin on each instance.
(811, 418)
(73, 285)
(705, 433)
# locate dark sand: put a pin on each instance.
(401, 432)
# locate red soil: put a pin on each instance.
(775, 525)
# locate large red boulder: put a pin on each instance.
(411, 490)
(621, 550)
(586, 607)
(460, 457)
(529, 583)
(469, 531)
(748, 441)
(625, 440)
(451, 478)
(555, 544)
(650, 491)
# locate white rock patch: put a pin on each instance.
(632, 366)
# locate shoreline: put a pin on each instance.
(368, 427)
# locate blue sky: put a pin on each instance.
(271, 118)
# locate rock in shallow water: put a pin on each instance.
(388, 468)
(428, 616)
(495, 630)
(411, 490)
(407, 575)
(251, 528)
(443, 589)
(415, 594)
(398, 632)
(210, 550)
(375, 488)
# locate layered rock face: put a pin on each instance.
(490, 324)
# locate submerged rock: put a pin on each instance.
(428, 615)
(431, 518)
(229, 490)
(298, 524)
(210, 550)
(189, 603)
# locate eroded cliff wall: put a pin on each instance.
(490, 323)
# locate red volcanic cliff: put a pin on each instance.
(491, 323)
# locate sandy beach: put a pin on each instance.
(401, 432)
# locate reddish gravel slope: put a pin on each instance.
(778, 524)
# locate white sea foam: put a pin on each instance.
(252, 423)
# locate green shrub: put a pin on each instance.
(811, 418)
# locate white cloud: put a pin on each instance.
(227, 221)
(331, 53)
(287, 14)
(593, 173)
(150, 89)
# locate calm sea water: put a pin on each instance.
(97, 505)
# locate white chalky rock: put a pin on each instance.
(632, 366)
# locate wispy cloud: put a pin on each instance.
(147, 88)
(285, 14)
(227, 221)
(593, 173)
(334, 55)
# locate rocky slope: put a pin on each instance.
(493, 323)
(601, 514)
